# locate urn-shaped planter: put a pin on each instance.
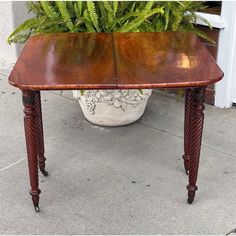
(112, 107)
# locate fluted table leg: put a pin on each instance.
(195, 140)
(187, 127)
(40, 137)
(31, 144)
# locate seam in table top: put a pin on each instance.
(114, 59)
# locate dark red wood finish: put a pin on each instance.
(196, 128)
(114, 61)
(163, 60)
(31, 143)
(66, 61)
(187, 127)
(111, 61)
(40, 137)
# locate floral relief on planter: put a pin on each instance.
(113, 107)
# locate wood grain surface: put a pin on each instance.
(114, 61)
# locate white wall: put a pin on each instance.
(226, 88)
(11, 15)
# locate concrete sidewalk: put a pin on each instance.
(127, 180)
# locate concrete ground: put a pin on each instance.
(127, 180)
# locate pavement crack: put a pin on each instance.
(161, 130)
(180, 137)
(12, 164)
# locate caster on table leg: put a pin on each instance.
(36, 207)
(35, 199)
(42, 160)
(45, 173)
(191, 193)
(190, 200)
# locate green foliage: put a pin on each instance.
(105, 16)
(65, 15)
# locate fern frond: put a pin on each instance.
(149, 5)
(201, 34)
(26, 26)
(78, 8)
(20, 38)
(93, 14)
(176, 17)
(204, 20)
(167, 17)
(132, 7)
(107, 6)
(65, 15)
(122, 8)
(115, 6)
(139, 20)
(35, 7)
(88, 22)
(49, 10)
(110, 16)
(103, 17)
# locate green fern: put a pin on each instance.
(35, 7)
(66, 16)
(107, 6)
(108, 16)
(167, 17)
(140, 19)
(115, 6)
(88, 22)
(27, 26)
(149, 6)
(49, 10)
(93, 15)
(78, 6)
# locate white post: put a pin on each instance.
(7, 52)
(12, 15)
(226, 88)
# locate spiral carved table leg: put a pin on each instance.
(187, 126)
(31, 144)
(39, 125)
(195, 140)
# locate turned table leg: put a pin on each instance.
(187, 126)
(196, 129)
(28, 98)
(40, 138)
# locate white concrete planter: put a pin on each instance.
(112, 107)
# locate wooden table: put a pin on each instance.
(66, 61)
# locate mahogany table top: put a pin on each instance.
(114, 61)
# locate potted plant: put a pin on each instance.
(109, 107)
